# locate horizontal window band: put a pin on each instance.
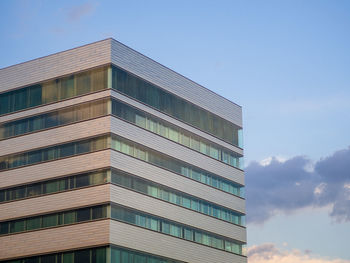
(56, 219)
(126, 215)
(171, 228)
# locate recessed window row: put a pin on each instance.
(123, 214)
(53, 186)
(178, 198)
(53, 153)
(174, 133)
(54, 90)
(127, 147)
(156, 158)
(109, 254)
(175, 229)
(76, 113)
(125, 180)
(53, 220)
(175, 106)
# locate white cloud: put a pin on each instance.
(268, 253)
(320, 188)
(267, 161)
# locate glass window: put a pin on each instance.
(83, 214)
(68, 257)
(51, 120)
(33, 223)
(49, 220)
(34, 157)
(99, 255)
(69, 217)
(51, 187)
(99, 212)
(82, 256)
(83, 147)
(34, 189)
(2, 195)
(17, 226)
(67, 150)
(31, 260)
(82, 180)
(188, 234)
(83, 83)
(48, 259)
(67, 88)
(4, 228)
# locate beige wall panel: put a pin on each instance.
(55, 136)
(55, 106)
(55, 239)
(55, 65)
(175, 122)
(175, 181)
(167, 246)
(54, 169)
(176, 213)
(166, 78)
(55, 202)
(175, 150)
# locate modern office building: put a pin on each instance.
(108, 156)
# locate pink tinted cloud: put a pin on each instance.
(268, 253)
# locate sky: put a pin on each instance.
(287, 63)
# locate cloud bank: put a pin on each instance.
(289, 185)
(268, 253)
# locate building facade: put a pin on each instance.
(108, 156)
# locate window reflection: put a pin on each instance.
(54, 90)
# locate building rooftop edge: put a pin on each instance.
(112, 39)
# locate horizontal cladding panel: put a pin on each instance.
(54, 136)
(167, 246)
(162, 76)
(55, 202)
(55, 239)
(55, 169)
(55, 65)
(55, 106)
(172, 212)
(175, 150)
(175, 122)
(175, 181)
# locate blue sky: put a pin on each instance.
(286, 62)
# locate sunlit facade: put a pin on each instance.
(108, 156)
